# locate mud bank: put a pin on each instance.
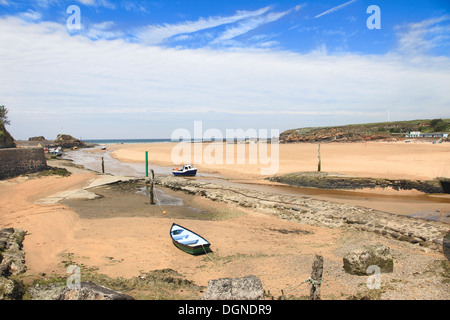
(324, 180)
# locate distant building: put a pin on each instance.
(418, 134)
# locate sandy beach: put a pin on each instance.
(120, 235)
(394, 160)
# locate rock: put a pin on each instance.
(246, 288)
(10, 289)
(12, 257)
(40, 138)
(50, 292)
(6, 140)
(91, 291)
(356, 262)
(67, 141)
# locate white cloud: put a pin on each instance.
(97, 3)
(31, 15)
(50, 77)
(335, 9)
(250, 24)
(102, 31)
(157, 34)
(419, 38)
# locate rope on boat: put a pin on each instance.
(208, 255)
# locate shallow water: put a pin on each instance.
(92, 159)
(162, 198)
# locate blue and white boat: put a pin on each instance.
(186, 171)
(188, 241)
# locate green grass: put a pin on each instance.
(51, 171)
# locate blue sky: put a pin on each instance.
(141, 69)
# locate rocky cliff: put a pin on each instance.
(6, 140)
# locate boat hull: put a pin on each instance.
(195, 249)
(198, 250)
(190, 173)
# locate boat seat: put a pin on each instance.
(189, 242)
(180, 237)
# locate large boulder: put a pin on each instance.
(357, 261)
(67, 141)
(246, 288)
(6, 140)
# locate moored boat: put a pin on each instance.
(188, 241)
(186, 171)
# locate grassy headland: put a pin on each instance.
(364, 132)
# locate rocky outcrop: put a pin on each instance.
(319, 213)
(246, 288)
(358, 261)
(40, 138)
(67, 141)
(6, 140)
(12, 263)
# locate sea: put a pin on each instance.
(125, 141)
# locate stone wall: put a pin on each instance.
(14, 162)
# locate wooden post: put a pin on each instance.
(149, 187)
(146, 164)
(103, 165)
(316, 278)
(152, 195)
(320, 160)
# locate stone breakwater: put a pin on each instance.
(318, 212)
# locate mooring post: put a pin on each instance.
(149, 186)
(320, 160)
(152, 195)
(146, 164)
(316, 278)
(103, 165)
